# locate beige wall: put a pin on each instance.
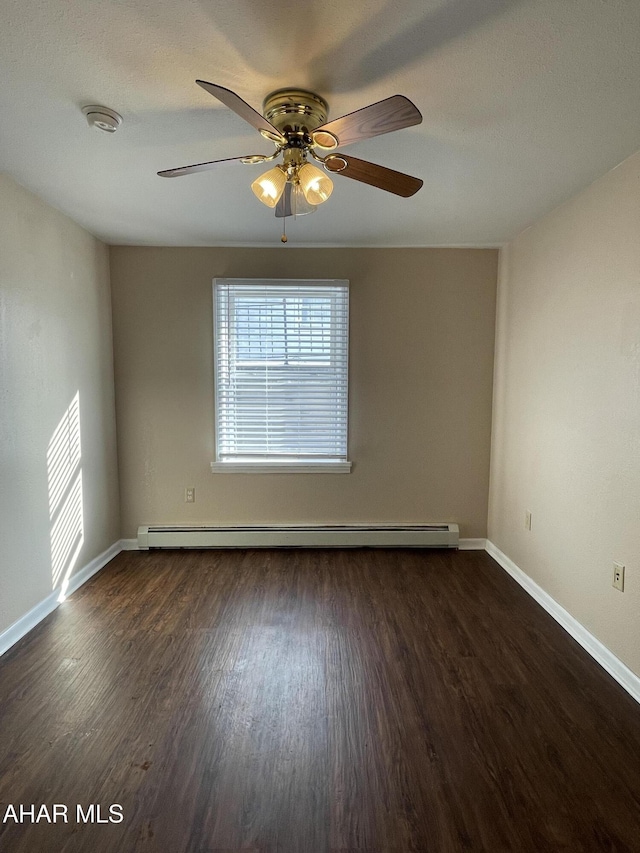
(55, 341)
(421, 356)
(566, 440)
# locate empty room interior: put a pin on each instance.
(320, 426)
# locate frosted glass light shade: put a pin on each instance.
(269, 187)
(316, 186)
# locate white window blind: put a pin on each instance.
(281, 368)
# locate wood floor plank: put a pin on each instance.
(381, 701)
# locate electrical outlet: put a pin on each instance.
(190, 495)
(527, 520)
(618, 576)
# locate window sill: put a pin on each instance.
(281, 467)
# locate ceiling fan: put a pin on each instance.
(295, 120)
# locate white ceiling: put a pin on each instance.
(525, 102)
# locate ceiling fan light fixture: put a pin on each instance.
(295, 120)
(269, 187)
(316, 186)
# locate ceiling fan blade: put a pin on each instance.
(204, 167)
(393, 113)
(372, 174)
(283, 207)
(242, 108)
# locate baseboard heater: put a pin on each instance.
(302, 536)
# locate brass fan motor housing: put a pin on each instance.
(296, 113)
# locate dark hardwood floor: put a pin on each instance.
(314, 701)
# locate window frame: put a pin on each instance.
(273, 465)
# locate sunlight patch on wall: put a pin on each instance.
(64, 474)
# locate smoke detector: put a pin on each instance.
(103, 118)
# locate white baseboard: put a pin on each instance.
(93, 567)
(472, 545)
(598, 651)
(129, 545)
(17, 631)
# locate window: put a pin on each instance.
(281, 365)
